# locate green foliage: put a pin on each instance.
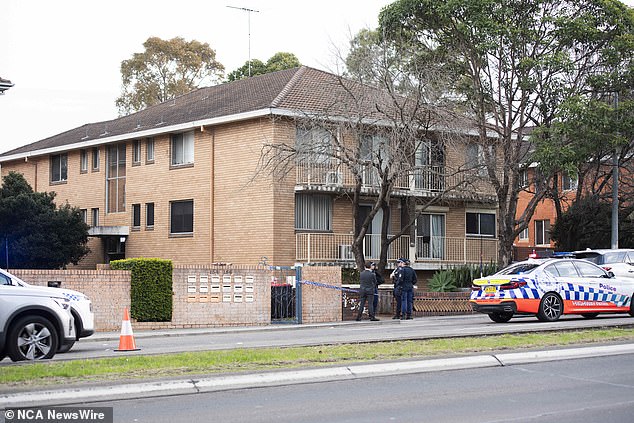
(349, 276)
(443, 281)
(151, 288)
(587, 224)
(459, 276)
(166, 69)
(279, 61)
(37, 233)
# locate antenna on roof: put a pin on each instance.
(249, 13)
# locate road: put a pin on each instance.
(580, 391)
(171, 341)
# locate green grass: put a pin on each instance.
(258, 359)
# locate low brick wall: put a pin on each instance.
(441, 303)
(321, 303)
(109, 290)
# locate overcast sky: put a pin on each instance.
(64, 56)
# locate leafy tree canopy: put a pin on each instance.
(279, 61)
(166, 69)
(35, 233)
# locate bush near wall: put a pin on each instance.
(151, 288)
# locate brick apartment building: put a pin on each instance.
(179, 181)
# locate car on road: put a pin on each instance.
(33, 323)
(619, 261)
(549, 288)
(80, 306)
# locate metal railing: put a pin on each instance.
(328, 247)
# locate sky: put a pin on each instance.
(64, 56)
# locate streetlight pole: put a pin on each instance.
(615, 187)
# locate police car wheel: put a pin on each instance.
(500, 317)
(550, 308)
(590, 315)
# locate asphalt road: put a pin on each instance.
(170, 341)
(580, 391)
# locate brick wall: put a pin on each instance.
(109, 290)
(321, 304)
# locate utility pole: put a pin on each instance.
(615, 187)
(244, 9)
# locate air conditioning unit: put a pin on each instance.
(345, 252)
(334, 179)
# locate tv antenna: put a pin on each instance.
(244, 9)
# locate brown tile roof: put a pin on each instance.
(303, 90)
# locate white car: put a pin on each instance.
(619, 261)
(80, 306)
(550, 288)
(33, 323)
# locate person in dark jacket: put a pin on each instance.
(395, 276)
(367, 283)
(407, 280)
(379, 281)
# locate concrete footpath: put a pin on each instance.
(187, 386)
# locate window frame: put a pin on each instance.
(136, 153)
(95, 159)
(307, 215)
(184, 231)
(62, 166)
(94, 216)
(149, 223)
(83, 161)
(149, 150)
(178, 146)
(136, 216)
(524, 235)
(479, 224)
(541, 233)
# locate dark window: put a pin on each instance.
(481, 224)
(95, 159)
(182, 217)
(84, 215)
(149, 214)
(542, 232)
(136, 152)
(95, 217)
(136, 215)
(182, 148)
(59, 167)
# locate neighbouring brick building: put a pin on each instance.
(180, 181)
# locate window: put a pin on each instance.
(136, 215)
(136, 152)
(522, 181)
(84, 215)
(313, 212)
(314, 146)
(115, 179)
(149, 150)
(586, 270)
(149, 215)
(182, 148)
(95, 159)
(524, 235)
(481, 224)
(476, 158)
(182, 217)
(568, 183)
(542, 232)
(59, 167)
(95, 217)
(83, 161)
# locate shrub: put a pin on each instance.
(442, 281)
(151, 288)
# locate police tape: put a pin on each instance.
(323, 285)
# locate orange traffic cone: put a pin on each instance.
(126, 340)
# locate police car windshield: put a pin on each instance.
(518, 268)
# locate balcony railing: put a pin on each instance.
(420, 180)
(322, 247)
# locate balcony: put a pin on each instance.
(426, 252)
(421, 181)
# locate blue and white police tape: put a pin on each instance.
(323, 285)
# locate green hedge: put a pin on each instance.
(151, 288)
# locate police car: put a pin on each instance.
(550, 288)
(80, 306)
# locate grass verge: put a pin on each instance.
(258, 359)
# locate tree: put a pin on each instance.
(166, 69)
(519, 61)
(37, 234)
(279, 61)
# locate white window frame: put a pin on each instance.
(62, 166)
(182, 148)
(313, 212)
(568, 183)
(136, 152)
(523, 236)
(83, 161)
(540, 232)
(149, 150)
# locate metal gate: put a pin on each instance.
(286, 298)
